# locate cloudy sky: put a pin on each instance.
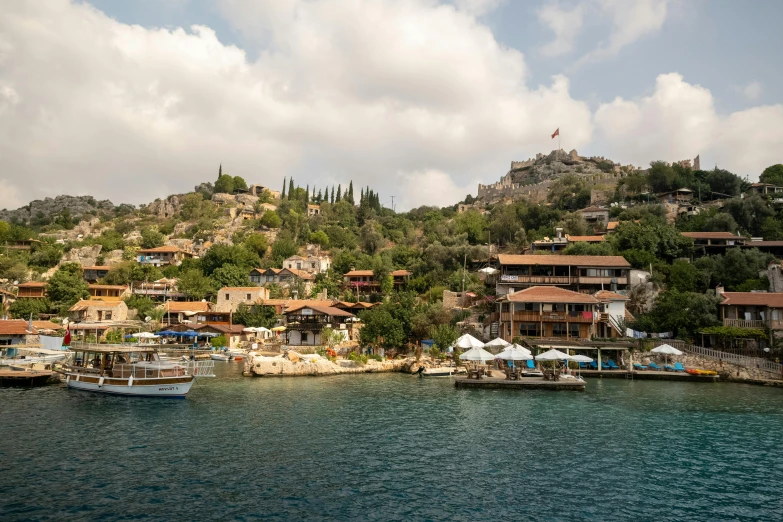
(420, 99)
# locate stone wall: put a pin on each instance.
(726, 370)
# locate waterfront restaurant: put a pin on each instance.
(305, 323)
(547, 312)
(580, 273)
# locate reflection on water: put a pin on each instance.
(393, 447)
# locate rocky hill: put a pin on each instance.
(42, 211)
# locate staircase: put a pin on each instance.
(771, 368)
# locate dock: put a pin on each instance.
(27, 378)
(650, 375)
(525, 383)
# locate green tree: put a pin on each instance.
(473, 224)
(239, 183)
(230, 275)
(255, 316)
(23, 308)
(151, 238)
(194, 284)
(661, 176)
(282, 194)
(270, 219)
(444, 336)
(683, 313)
(319, 237)
(569, 192)
(381, 329)
(339, 196)
(46, 256)
(142, 304)
(220, 255)
(370, 239)
(66, 287)
(257, 243)
(773, 174)
(685, 277)
(224, 185)
(282, 249)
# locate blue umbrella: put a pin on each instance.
(169, 332)
(189, 333)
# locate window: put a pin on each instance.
(530, 329)
(248, 297)
(573, 330)
(559, 329)
(227, 297)
(304, 337)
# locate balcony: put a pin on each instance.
(537, 280)
(546, 317)
(742, 323)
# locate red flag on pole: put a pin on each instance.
(67, 340)
(556, 133)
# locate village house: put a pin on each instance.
(109, 292)
(751, 310)
(365, 280)
(97, 311)
(313, 210)
(305, 323)
(233, 332)
(281, 276)
(613, 314)
(25, 244)
(160, 290)
(229, 298)
(595, 216)
(162, 256)
(92, 274)
(16, 332)
(177, 312)
(311, 264)
(549, 312)
(714, 242)
(676, 197)
(579, 273)
(765, 189)
(31, 290)
(555, 245)
(6, 298)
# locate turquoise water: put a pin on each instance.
(393, 447)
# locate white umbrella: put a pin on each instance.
(666, 349)
(146, 335)
(250, 329)
(498, 342)
(553, 355)
(467, 341)
(515, 353)
(488, 270)
(477, 354)
(581, 358)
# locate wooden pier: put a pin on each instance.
(650, 375)
(525, 383)
(27, 378)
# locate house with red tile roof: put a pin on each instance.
(364, 280)
(547, 312)
(162, 256)
(579, 273)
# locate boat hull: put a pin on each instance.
(138, 388)
(442, 371)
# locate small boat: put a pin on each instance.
(443, 371)
(21, 355)
(131, 370)
(693, 371)
(219, 357)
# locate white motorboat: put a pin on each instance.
(131, 370)
(219, 356)
(22, 355)
(443, 371)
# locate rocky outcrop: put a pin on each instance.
(85, 256)
(315, 365)
(165, 208)
(49, 208)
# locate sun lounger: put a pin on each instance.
(583, 366)
(654, 366)
(612, 364)
(530, 364)
(593, 365)
(669, 368)
(605, 366)
(637, 366)
(678, 367)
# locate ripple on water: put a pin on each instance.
(393, 447)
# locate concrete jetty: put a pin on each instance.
(525, 383)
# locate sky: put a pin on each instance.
(419, 99)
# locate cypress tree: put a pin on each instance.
(332, 194)
(361, 197)
(220, 170)
(307, 194)
(338, 193)
(320, 197)
(350, 192)
(283, 194)
(290, 186)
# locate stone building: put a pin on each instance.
(97, 311)
(229, 298)
(311, 264)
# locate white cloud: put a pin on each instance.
(9, 195)
(130, 113)
(752, 91)
(431, 187)
(679, 121)
(565, 23)
(631, 21)
(478, 7)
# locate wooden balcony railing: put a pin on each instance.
(538, 280)
(546, 317)
(742, 323)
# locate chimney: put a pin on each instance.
(719, 289)
(559, 232)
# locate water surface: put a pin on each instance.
(393, 447)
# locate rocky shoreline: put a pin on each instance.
(296, 365)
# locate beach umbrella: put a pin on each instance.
(477, 354)
(264, 331)
(250, 329)
(189, 333)
(667, 350)
(168, 332)
(498, 342)
(515, 353)
(488, 270)
(278, 329)
(146, 335)
(553, 355)
(581, 358)
(467, 342)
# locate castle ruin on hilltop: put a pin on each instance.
(531, 179)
